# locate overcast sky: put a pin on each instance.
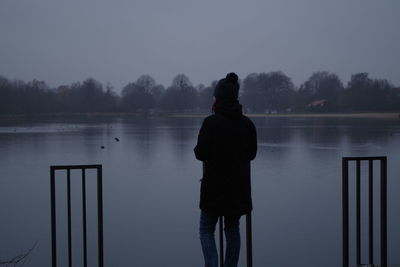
(116, 41)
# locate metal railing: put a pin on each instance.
(249, 239)
(83, 168)
(249, 242)
(383, 209)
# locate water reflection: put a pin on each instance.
(151, 185)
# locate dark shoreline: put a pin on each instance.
(374, 115)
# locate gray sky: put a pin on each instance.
(116, 41)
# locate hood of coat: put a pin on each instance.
(229, 108)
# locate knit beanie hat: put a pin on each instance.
(227, 88)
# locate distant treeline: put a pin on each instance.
(272, 92)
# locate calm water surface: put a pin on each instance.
(151, 188)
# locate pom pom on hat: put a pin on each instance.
(227, 88)
(232, 77)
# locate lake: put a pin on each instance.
(151, 188)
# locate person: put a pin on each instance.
(226, 144)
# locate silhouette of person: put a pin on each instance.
(226, 144)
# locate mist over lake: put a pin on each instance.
(151, 188)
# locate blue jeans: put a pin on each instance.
(232, 236)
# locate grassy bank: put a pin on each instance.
(392, 116)
(372, 115)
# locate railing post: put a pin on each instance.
(383, 212)
(249, 241)
(69, 218)
(53, 217)
(358, 212)
(370, 211)
(221, 240)
(100, 213)
(345, 210)
(84, 225)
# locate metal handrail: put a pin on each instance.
(249, 239)
(68, 168)
(383, 209)
(249, 242)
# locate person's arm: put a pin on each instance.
(203, 147)
(253, 141)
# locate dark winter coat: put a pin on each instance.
(227, 142)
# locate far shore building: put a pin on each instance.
(318, 103)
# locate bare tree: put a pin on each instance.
(20, 259)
